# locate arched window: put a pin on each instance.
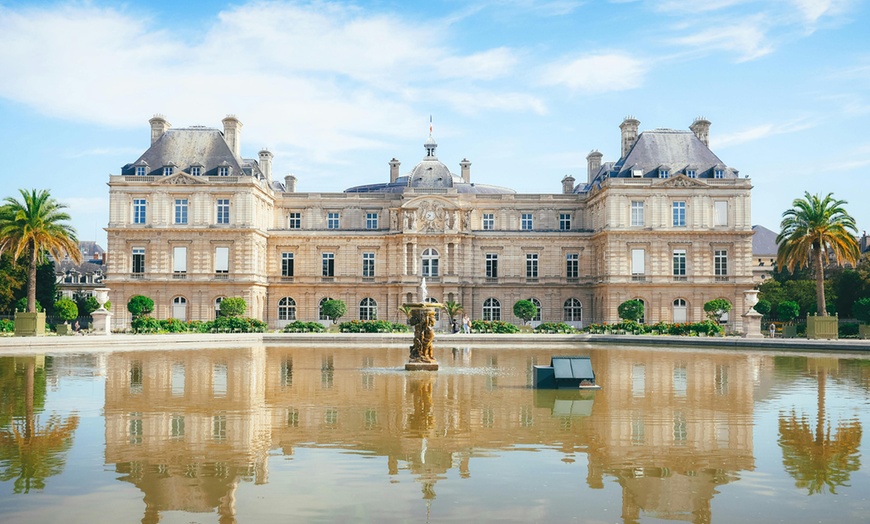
(217, 306)
(537, 303)
(286, 309)
(572, 310)
(491, 309)
(642, 319)
(430, 263)
(320, 314)
(430, 300)
(368, 309)
(179, 308)
(680, 311)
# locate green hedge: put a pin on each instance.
(7, 325)
(554, 327)
(493, 326)
(371, 326)
(707, 327)
(219, 325)
(304, 327)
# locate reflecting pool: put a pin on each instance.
(278, 434)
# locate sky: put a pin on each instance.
(524, 89)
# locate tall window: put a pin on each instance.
(572, 310)
(680, 310)
(368, 309)
(636, 213)
(179, 308)
(294, 220)
(720, 264)
(138, 260)
(537, 303)
(491, 309)
(181, 211)
(332, 221)
(430, 262)
(679, 264)
(217, 306)
(368, 265)
(572, 265)
(371, 220)
(491, 265)
(179, 260)
(488, 221)
(720, 209)
(531, 265)
(286, 264)
(564, 221)
(638, 264)
(139, 211)
(679, 214)
(328, 264)
(286, 309)
(526, 222)
(223, 211)
(221, 260)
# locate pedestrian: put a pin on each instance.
(772, 329)
(466, 323)
(76, 327)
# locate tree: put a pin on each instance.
(66, 309)
(140, 306)
(334, 309)
(763, 307)
(814, 231)
(33, 228)
(526, 310)
(716, 308)
(452, 308)
(233, 307)
(787, 311)
(631, 310)
(861, 309)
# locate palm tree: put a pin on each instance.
(812, 231)
(36, 227)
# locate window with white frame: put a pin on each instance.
(679, 259)
(572, 310)
(195, 170)
(564, 221)
(638, 263)
(371, 220)
(679, 214)
(636, 213)
(430, 262)
(181, 211)
(168, 170)
(217, 306)
(179, 259)
(720, 209)
(526, 221)
(718, 173)
(491, 265)
(223, 171)
(138, 260)
(720, 263)
(664, 172)
(488, 221)
(368, 265)
(368, 309)
(572, 265)
(532, 265)
(680, 310)
(139, 210)
(141, 171)
(294, 220)
(221, 260)
(286, 309)
(537, 303)
(223, 211)
(328, 263)
(332, 221)
(179, 308)
(691, 173)
(491, 309)
(287, 264)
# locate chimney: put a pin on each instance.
(568, 184)
(465, 170)
(266, 164)
(394, 170)
(159, 125)
(593, 164)
(701, 128)
(629, 133)
(289, 184)
(233, 134)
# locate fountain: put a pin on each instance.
(423, 319)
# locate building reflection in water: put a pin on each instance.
(187, 427)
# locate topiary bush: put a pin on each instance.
(66, 309)
(493, 326)
(554, 327)
(371, 326)
(233, 307)
(630, 310)
(304, 327)
(140, 305)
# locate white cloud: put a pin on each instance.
(747, 38)
(760, 132)
(597, 73)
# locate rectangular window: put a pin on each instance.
(526, 222)
(636, 213)
(679, 214)
(720, 264)
(691, 173)
(294, 221)
(488, 221)
(223, 211)
(332, 221)
(179, 259)
(195, 170)
(638, 260)
(286, 264)
(222, 260)
(720, 207)
(181, 211)
(138, 260)
(679, 264)
(491, 265)
(168, 170)
(572, 265)
(140, 170)
(719, 173)
(532, 265)
(139, 210)
(223, 171)
(371, 220)
(664, 173)
(368, 267)
(564, 221)
(328, 264)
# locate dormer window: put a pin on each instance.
(195, 170)
(637, 172)
(664, 172)
(719, 173)
(168, 170)
(691, 173)
(140, 170)
(223, 171)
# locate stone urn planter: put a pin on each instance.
(29, 324)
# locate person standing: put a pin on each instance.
(466, 323)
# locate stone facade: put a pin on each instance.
(191, 222)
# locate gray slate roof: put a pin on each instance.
(763, 241)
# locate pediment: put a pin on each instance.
(681, 181)
(180, 179)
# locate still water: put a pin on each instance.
(282, 434)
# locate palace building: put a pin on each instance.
(192, 221)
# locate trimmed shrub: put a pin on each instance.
(66, 309)
(630, 310)
(554, 327)
(140, 305)
(334, 309)
(493, 326)
(233, 307)
(371, 326)
(304, 327)
(145, 324)
(7, 325)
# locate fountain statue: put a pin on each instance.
(422, 317)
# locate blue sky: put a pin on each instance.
(522, 88)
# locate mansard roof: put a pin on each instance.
(193, 146)
(673, 150)
(764, 241)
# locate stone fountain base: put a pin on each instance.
(421, 366)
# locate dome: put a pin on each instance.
(433, 174)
